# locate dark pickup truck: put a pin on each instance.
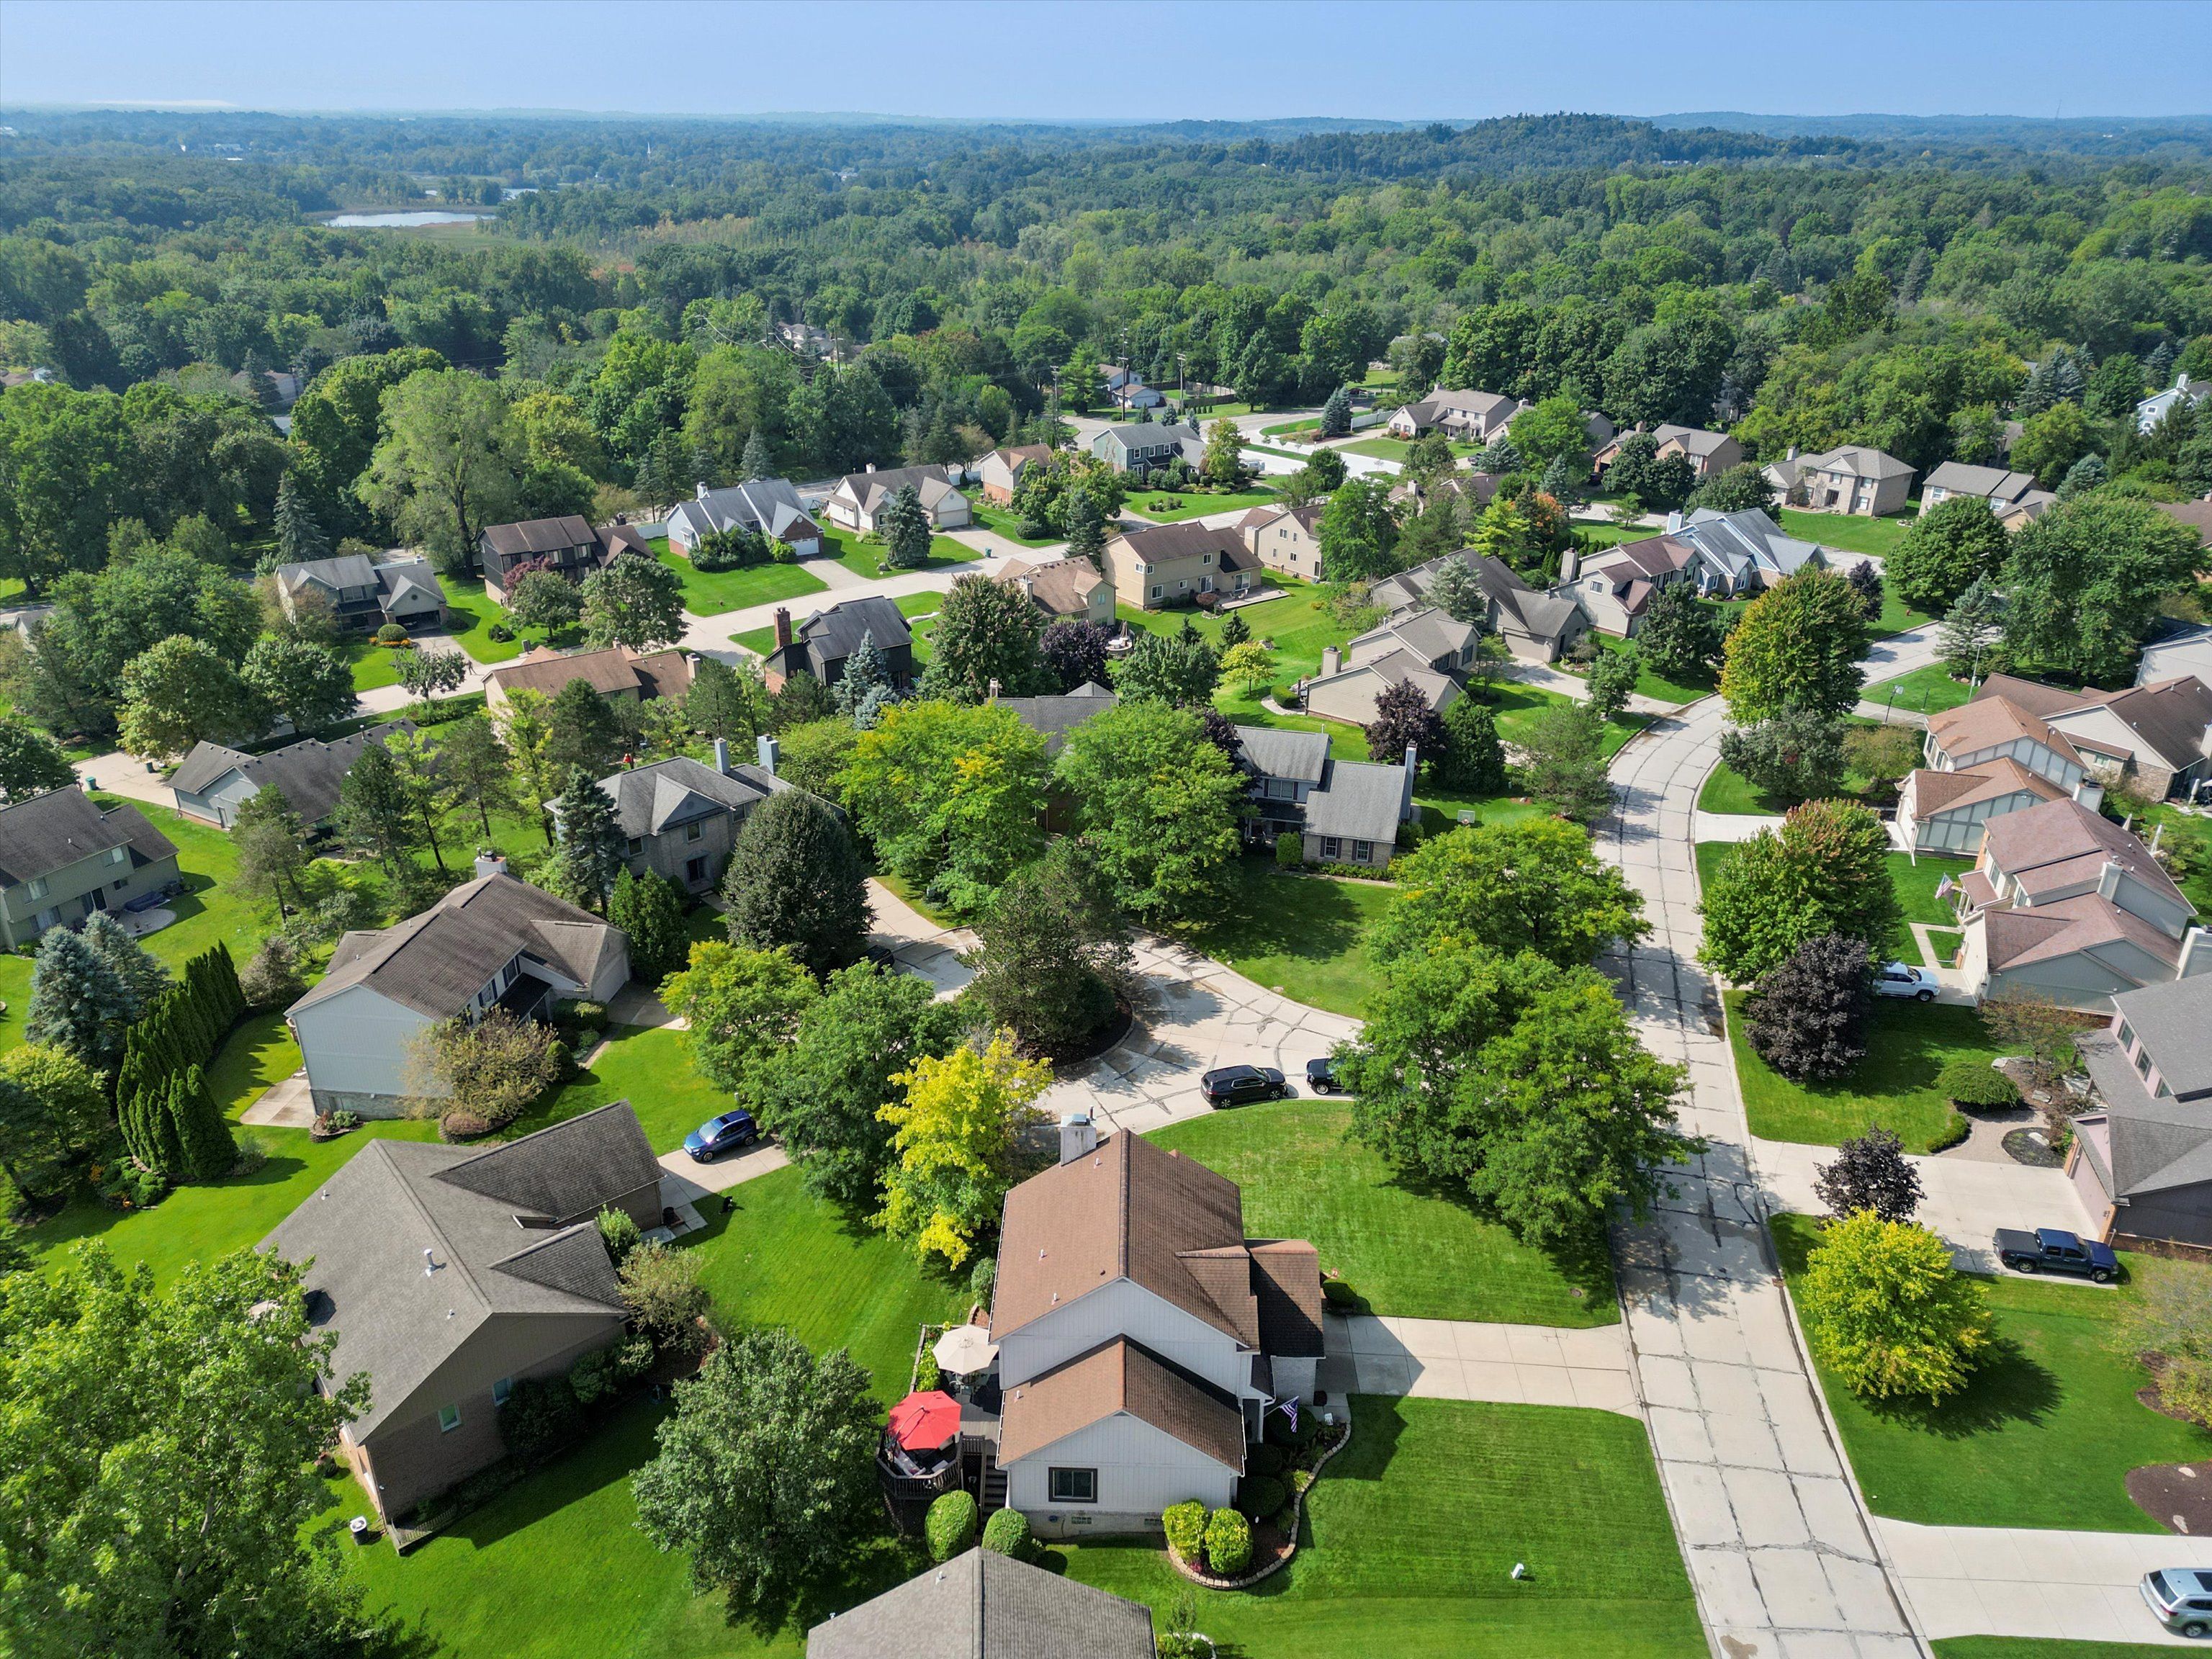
(2047, 1249)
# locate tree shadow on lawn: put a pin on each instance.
(1907, 1045)
(1266, 912)
(2010, 1386)
(1586, 1264)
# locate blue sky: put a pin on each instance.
(1188, 59)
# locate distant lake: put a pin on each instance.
(403, 221)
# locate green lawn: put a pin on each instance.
(2022, 1647)
(373, 665)
(259, 1052)
(1916, 885)
(1927, 690)
(760, 641)
(1516, 707)
(867, 558)
(1649, 683)
(205, 916)
(2046, 1432)
(1394, 449)
(709, 593)
(1153, 504)
(1406, 1250)
(1728, 791)
(1299, 935)
(1001, 522)
(1411, 1534)
(1908, 1044)
(651, 1069)
(470, 614)
(1846, 531)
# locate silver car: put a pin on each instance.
(1897, 980)
(2181, 1599)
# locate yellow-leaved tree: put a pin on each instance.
(958, 1140)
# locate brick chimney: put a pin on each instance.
(782, 628)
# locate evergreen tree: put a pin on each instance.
(1473, 760)
(757, 462)
(2085, 474)
(298, 537)
(905, 527)
(1336, 414)
(1973, 630)
(1456, 591)
(162, 1138)
(866, 685)
(650, 910)
(794, 879)
(1235, 630)
(1562, 479)
(375, 812)
(584, 731)
(1086, 529)
(723, 703)
(589, 857)
(203, 1137)
(78, 1003)
(143, 977)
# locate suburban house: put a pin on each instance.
(2142, 1160)
(214, 781)
(1708, 452)
(1062, 588)
(1996, 728)
(2064, 903)
(859, 498)
(2177, 648)
(1851, 478)
(1423, 646)
(771, 506)
(1612, 589)
(2012, 496)
(1003, 472)
(1053, 718)
(1342, 811)
(1167, 564)
(451, 1274)
(2155, 407)
(62, 858)
(984, 1605)
(617, 673)
(2155, 740)
(680, 819)
(493, 942)
(1945, 812)
(1473, 417)
(1125, 389)
(1472, 491)
(1141, 1335)
(1738, 554)
(2197, 515)
(1287, 539)
(566, 546)
(820, 645)
(363, 592)
(1147, 447)
(1535, 626)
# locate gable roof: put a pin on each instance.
(339, 571)
(1362, 800)
(2018, 938)
(1652, 556)
(2197, 515)
(1995, 483)
(1119, 1376)
(836, 633)
(532, 537)
(54, 830)
(771, 506)
(1153, 435)
(1275, 752)
(436, 962)
(1015, 457)
(1858, 461)
(1061, 587)
(308, 771)
(651, 799)
(871, 489)
(1990, 721)
(984, 1605)
(1054, 717)
(2061, 842)
(2170, 717)
(1159, 543)
(1747, 539)
(2173, 1020)
(1991, 780)
(1427, 631)
(616, 669)
(368, 1225)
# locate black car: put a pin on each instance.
(1240, 1086)
(1321, 1077)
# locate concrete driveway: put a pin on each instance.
(1995, 1581)
(1467, 1359)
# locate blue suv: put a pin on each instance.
(721, 1134)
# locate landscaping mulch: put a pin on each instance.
(2178, 1495)
(2032, 1148)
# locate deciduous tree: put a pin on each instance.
(544, 599)
(742, 1007)
(1807, 1017)
(2083, 583)
(31, 763)
(448, 462)
(181, 692)
(1073, 652)
(1885, 1309)
(1826, 871)
(1534, 884)
(950, 795)
(1793, 756)
(1182, 669)
(958, 1132)
(306, 684)
(1563, 761)
(1159, 803)
(986, 634)
(1798, 646)
(53, 1112)
(1871, 1172)
(1945, 550)
(633, 601)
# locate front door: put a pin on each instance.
(95, 900)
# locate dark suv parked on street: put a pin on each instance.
(1240, 1086)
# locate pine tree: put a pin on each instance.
(1972, 630)
(140, 974)
(1086, 529)
(1235, 630)
(2068, 382)
(2159, 363)
(757, 462)
(298, 537)
(865, 684)
(203, 1137)
(904, 524)
(589, 857)
(650, 910)
(2084, 475)
(78, 1003)
(163, 1138)
(1563, 480)
(1336, 414)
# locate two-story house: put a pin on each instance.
(1141, 1336)
(1342, 811)
(1735, 555)
(1535, 626)
(680, 819)
(62, 859)
(1615, 587)
(1003, 472)
(1989, 728)
(1062, 588)
(2156, 407)
(1171, 564)
(821, 645)
(2063, 903)
(493, 942)
(2153, 739)
(770, 506)
(1145, 447)
(1850, 479)
(1286, 539)
(215, 781)
(1708, 452)
(2142, 1158)
(1421, 646)
(858, 500)
(2012, 496)
(1475, 417)
(617, 673)
(365, 593)
(568, 546)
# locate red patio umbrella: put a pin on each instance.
(922, 1422)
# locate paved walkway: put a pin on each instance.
(2079, 1586)
(1463, 1359)
(919, 945)
(287, 1103)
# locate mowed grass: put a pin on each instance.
(651, 1069)
(2024, 1647)
(1412, 1533)
(1299, 935)
(373, 665)
(211, 911)
(259, 1052)
(1915, 882)
(867, 558)
(1908, 1043)
(710, 592)
(1178, 506)
(1003, 522)
(470, 614)
(1927, 690)
(1649, 683)
(1404, 1248)
(2046, 1430)
(1846, 531)
(760, 641)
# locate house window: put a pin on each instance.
(1073, 1486)
(695, 870)
(449, 1418)
(502, 1389)
(2127, 1035)
(1282, 789)
(2143, 1064)
(693, 831)
(118, 855)
(637, 844)
(1331, 848)
(38, 887)
(1363, 852)
(1155, 593)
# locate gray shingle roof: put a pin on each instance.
(834, 634)
(54, 830)
(308, 772)
(984, 1605)
(531, 537)
(345, 570)
(562, 1172)
(1054, 718)
(2174, 1021)
(1273, 753)
(648, 800)
(2157, 1142)
(770, 505)
(1358, 799)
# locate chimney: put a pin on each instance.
(994, 695)
(2195, 957)
(490, 863)
(1674, 522)
(871, 467)
(782, 628)
(1332, 662)
(722, 755)
(2108, 879)
(702, 489)
(1078, 1137)
(769, 751)
(1407, 810)
(1571, 565)
(2090, 794)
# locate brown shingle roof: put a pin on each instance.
(1936, 791)
(616, 669)
(2063, 842)
(2017, 937)
(1990, 722)
(1119, 1376)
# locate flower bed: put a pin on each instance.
(1311, 1461)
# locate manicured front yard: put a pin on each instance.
(1388, 448)
(2022, 1647)
(1158, 505)
(1002, 522)
(1908, 1044)
(1412, 1532)
(651, 1069)
(760, 641)
(1916, 884)
(867, 558)
(1299, 935)
(372, 665)
(2046, 1432)
(471, 613)
(1846, 531)
(1406, 1250)
(1649, 683)
(1927, 690)
(710, 592)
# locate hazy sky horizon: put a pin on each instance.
(1043, 60)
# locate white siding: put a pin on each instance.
(1124, 1309)
(1141, 1471)
(357, 1042)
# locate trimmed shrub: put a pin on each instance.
(1970, 1083)
(392, 634)
(927, 1373)
(1185, 1526)
(1259, 1496)
(458, 1123)
(951, 1527)
(1280, 1433)
(592, 1376)
(620, 1233)
(1228, 1543)
(540, 1414)
(1290, 850)
(1266, 1460)
(1007, 1531)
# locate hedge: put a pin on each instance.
(1259, 1496)
(1971, 1083)
(951, 1527)
(1007, 1532)
(1185, 1526)
(1266, 1460)
(1228, 1543)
